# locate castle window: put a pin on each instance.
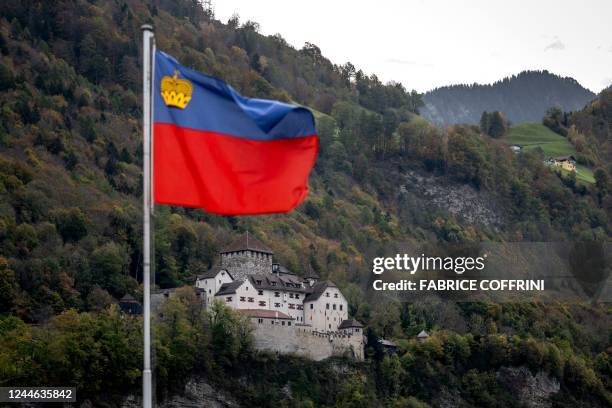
(291, 295)
(335, 295)
(327, 306)
(283, 322)
(311, 306)
(326, 294)
(277, 305)
(242, 298)
(251, 300)
(262, 303)
(259, 282)
(260, 321)
(300, 307)
(356, 330)
(276, 294)
(330, 326)
(228, 299)
(291, 306)
(288, 323)
(273, 283)
(260, 292)
(334, 307)
(209, 291)
(340, 307)
(297, 296)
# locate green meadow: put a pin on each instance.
(534, 135)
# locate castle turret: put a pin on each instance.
(246, 256)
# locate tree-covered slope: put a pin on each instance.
(594, 122)
(522, 98)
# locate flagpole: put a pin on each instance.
(147, 41)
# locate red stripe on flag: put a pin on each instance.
(230, 175)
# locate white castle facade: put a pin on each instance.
(289, 314)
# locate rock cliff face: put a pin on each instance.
(198, 393)
(460, 200)
(532, 391)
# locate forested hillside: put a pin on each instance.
(594, 123)
(522, 98)
(70, 219)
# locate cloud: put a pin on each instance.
(556, 45)
(407, 62)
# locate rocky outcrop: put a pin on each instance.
(198, 393)
(460, 200)
(448, 399)
(530, 391)
(533, 391)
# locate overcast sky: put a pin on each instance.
(429, 43)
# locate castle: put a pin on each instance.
(289, 314)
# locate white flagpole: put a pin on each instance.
(152, 139)
(147, 42)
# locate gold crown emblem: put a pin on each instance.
(176, 92)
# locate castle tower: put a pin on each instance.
(246, 256)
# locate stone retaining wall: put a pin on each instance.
(303, 341)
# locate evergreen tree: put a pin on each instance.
(497, 125)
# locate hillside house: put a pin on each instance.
(129, 305)
(564, 162)
(388, 346)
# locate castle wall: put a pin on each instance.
(303, 341)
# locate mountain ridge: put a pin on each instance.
(523, 97)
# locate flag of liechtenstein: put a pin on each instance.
(218, 150)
